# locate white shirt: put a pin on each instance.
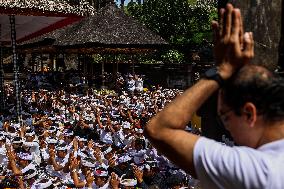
(131, 85)
(28, 167)
(139, 84)
(105, 136)
(118, 138)
(3, 156)
(220, 166)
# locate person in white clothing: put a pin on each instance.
(130, 84)
(138, 84)
(250, 106)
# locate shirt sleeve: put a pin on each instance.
(220, 166)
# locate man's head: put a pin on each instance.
(250, 100)
(101, 176)
(24, 159)
(61, 150)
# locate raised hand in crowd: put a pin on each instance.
(74, 164)
(42, 144)
(110, 127)
(51, 153)
(90, 144)
(138, 174)
(12, 161)
(21, 182)
(10, 153)
(6, 126)
(22, 131)
(61, 137)
(129, 113)
(75, 144)
(71, 156)
(89, 179)
(73, 167)
(114, 181)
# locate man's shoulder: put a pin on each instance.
(218, 165)
(205, 145)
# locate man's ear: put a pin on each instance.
(250, 113)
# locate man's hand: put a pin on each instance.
(10, 153)
(90, 144)
(51, 154)
(71, 156)
(114, 181)
(75, 144)
(74, 164)
(233, 48)
(138, 174)
(23, 130)
(89, 179)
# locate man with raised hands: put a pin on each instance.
(250, 106)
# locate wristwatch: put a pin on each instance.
(213, 74)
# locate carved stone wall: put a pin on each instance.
(263, 18)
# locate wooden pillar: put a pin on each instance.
(2, 91)
(103, 72)
(16, 69)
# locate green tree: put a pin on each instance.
(185, 24)
(177, 21)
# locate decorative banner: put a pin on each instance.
(33, 7)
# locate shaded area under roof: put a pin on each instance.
(32, 16)
(28, 26)
(110, 28)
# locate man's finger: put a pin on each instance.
(215, 28)
(236, 23)
(248, 45)
(221, 21)
(241, 33)
(228, 22)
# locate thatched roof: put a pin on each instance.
(46, 7)
(109, 28)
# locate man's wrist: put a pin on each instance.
(214, 74)
(12, 159)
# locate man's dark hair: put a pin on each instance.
(256, 84)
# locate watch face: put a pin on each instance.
(213, 74)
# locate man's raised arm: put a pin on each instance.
(166, 130)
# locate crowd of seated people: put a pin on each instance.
(85, 139)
